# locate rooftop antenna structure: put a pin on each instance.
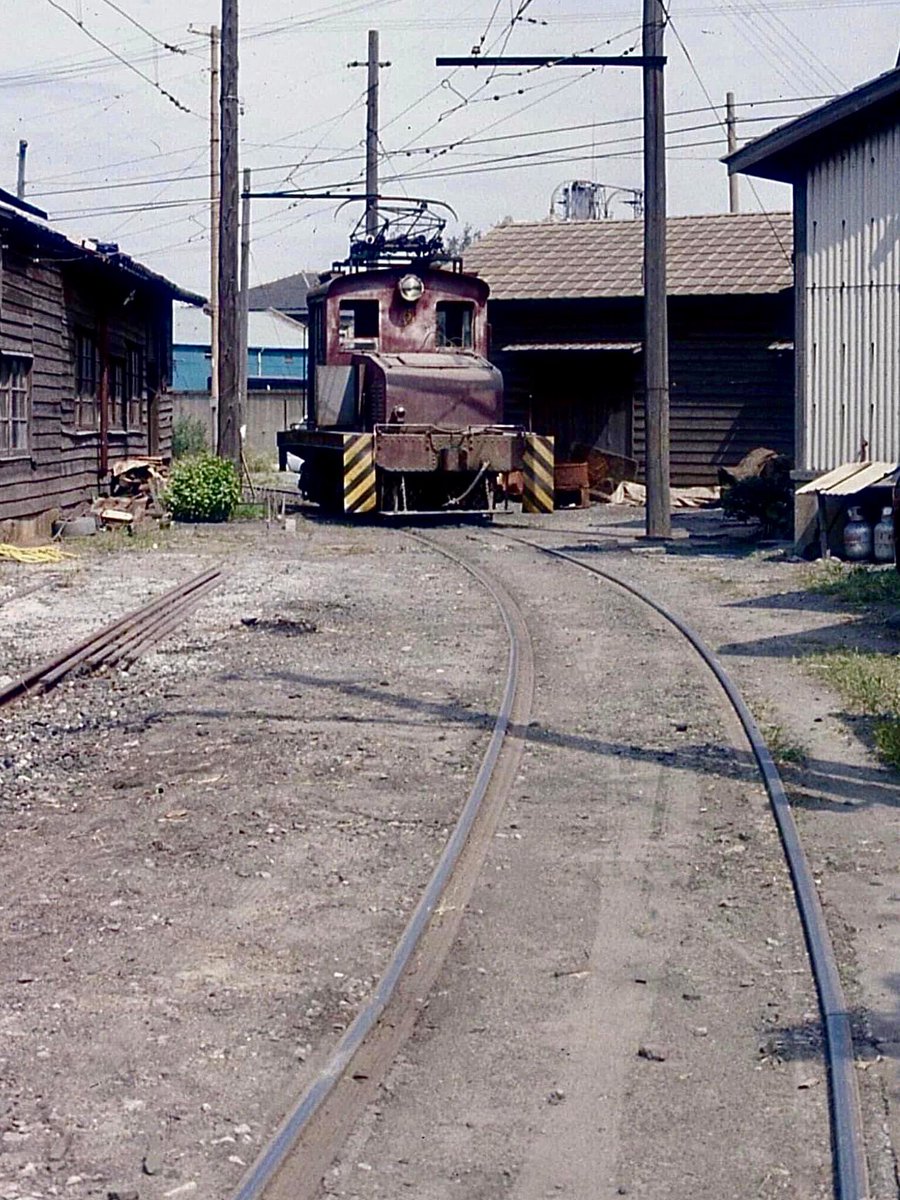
(585, 200)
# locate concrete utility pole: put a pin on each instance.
(214, 167)
(20, 175)
(229, 440)
(734, 204)
(656, 324)
(656, 333)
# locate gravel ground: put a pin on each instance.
(208, 857)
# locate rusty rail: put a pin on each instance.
(122, 641)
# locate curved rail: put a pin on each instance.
(122, 640)
(275, 1155)
(848, 1144)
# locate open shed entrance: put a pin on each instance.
(583, 396)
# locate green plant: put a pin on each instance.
(203, 488)
(869, 682)
(189, 437)
(857, 585)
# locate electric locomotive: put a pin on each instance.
(404, 411)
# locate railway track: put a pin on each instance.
(120, 642)
(295, 1160)
(848, 1143)
(291, 1165)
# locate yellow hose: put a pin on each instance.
(35, 554)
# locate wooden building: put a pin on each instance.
(85, 364)
(566, 314)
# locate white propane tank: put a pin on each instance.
(883, 536)
(857, 537)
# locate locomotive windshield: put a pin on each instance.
(455, 320)
(358, 329)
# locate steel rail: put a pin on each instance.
(848, 1142)
(264, 1171)
(95, 646)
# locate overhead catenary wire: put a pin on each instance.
(124, 61)
(388, 155)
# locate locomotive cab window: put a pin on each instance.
(455, 321)
(358, 325)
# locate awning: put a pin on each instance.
(523, 347)
(851, 478)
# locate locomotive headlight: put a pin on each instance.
(411, 288)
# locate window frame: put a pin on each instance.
(350, 306)
(10, 418)
(443, 309)
(87, 381)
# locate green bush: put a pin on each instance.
(189, 437)
(203, 488)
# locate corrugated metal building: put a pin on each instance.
(843, 160)
(566, 313)
(276, 351)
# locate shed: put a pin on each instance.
(566, 313)
(85, 365)
(843, 162)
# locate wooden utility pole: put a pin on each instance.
(244, 306)
(373, 67)
(229, 439)
(372, 137)
(656, 336)
(214, 153)
(20, 174)
(731, 133)
(656, 325)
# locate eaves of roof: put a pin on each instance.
(785, 153)
(18, 216)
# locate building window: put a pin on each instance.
(455, 320)
(135, 381)
(87, 409)
(15, 405)
(118, 401)
(358, 329)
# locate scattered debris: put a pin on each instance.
(653, 1053)
(33, 554)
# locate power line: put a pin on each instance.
(128, 17)
(124, 61)
(703, 88)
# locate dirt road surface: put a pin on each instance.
(206, 860)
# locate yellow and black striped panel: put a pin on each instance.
(359, 473)
(537, 462)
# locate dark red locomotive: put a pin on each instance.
(405, 413)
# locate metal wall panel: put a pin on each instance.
(852, 305)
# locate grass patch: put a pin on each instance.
(857, 585)
(869, 684)
(249, 512)
(781, 747)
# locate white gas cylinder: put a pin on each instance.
(857, 537)
(883, 536)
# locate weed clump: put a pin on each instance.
(203, 488)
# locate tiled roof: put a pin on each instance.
(719, 255)
(287, 294)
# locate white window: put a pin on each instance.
(15, 405)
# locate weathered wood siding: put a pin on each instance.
(729, 391)
(42, 304)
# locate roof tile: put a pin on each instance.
(722, 254)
